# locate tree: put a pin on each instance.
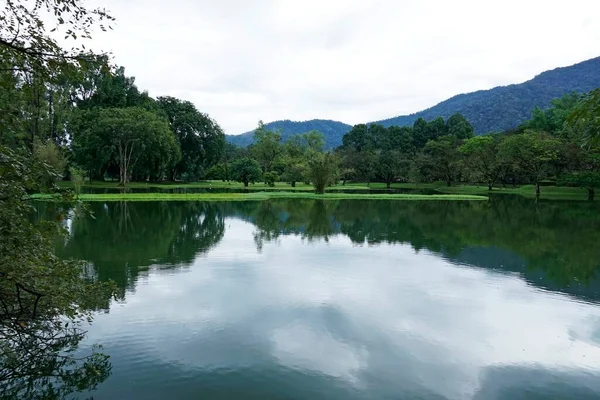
(392, 165)
(270, 178)
(420, 133)
(315, 141)
(44, 300)
(200, 138)
(294, 172)
(552, 119)
(442, 159)
(358, 138)
(246, 170)
(267, 147)
(322, 171)
(585, 118)
(401, 139)
(587, 179)
(533, 152)
(459, 127)
(125, 136)
(481, 156)
(25, 40)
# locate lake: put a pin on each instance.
(353, 299)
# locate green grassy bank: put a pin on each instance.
(547, 192)
(263, 196)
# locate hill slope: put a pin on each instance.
(493, 110)
(332, 130)
(505, 107)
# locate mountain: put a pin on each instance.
(506, 107)
(498, 109)
(332, 130)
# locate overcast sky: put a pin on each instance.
(347, 60)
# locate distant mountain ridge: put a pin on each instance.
(493, 110)
(332, 130)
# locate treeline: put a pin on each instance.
(559, 144)
(93, 121)
(90, 120)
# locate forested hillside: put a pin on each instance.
(332, 130)
(505, 107)
(494, 110)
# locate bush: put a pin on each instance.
(270, 178)
(77, 179)
(50, 155)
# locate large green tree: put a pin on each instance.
(246, 170)
(267, 147)
(137, 141)
(532, 152)
(201, 139)
(482, 159)
(442, 160)
(322, 171)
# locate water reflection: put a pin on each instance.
(553, 245)
(348, 299)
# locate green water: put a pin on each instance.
(294, 299)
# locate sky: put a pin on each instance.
(354, 61)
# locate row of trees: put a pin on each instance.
(558, 143)
(300, 159)
(102, 124)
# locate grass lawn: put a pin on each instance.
(263, 196)
(218, 185)
(547, 192)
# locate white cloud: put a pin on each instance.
(354, 61)
(349, 313)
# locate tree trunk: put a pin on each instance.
(537, 189)
(490, 186)
(245, 183)
(591, 194)
(293, 183)
(448, 182)
(320, 189)
(388, 184)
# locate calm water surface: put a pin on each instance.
(347, 299)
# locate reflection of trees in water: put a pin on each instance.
(310, 219)
(558, 238)
(124, 238)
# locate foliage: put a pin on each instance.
(270, 178)
(585, 119)
(246, 170)
(77, 178)
(332, 131)
(322, 171)
(44, 299)
(441, 160)
(137, 141)
(25, 40)
(531, 152)
(392, 166)
(482, 158)
(200, 138)
(267, 147)
(49, 154)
